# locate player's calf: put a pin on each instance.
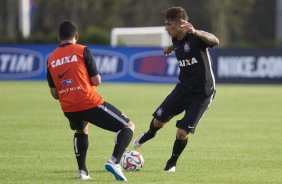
(155, 125)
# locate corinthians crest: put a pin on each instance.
(186, 47)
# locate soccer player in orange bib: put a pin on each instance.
(72, 77)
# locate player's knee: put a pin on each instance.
(83, 131)
(182, 134)
(158, 124)
(130, 125)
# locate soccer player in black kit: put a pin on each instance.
(196, 87)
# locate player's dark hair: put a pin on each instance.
(176, 13)
(67, 30)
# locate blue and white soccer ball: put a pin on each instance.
(132, 161)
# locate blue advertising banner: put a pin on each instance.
(139, 64)
(153, 66)
(248, 66)
(24, 62)
(18, 63)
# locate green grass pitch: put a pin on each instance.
(239, 140)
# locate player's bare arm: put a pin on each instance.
(96, 80)
(208, 38)
(168, 50)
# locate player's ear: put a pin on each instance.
(76, 36)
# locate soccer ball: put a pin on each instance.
(132, 161)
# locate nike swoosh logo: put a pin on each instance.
(60, 76)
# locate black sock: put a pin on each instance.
(80, 143)
(151, 133)
(178, 147)
(123, 139)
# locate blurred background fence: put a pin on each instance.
(250, 33)
(240, 23)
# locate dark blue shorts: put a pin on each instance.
(177, 102)
(105, 116)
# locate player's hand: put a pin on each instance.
(168, 50)
(187, 26)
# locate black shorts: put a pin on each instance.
(177, 102)
(105, 116)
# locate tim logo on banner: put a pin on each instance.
(110, 64)
(20, 63)
(153, 66)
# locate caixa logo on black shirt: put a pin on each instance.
(187, 62)
(154, 66)
(20, 63)
(110, 64)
